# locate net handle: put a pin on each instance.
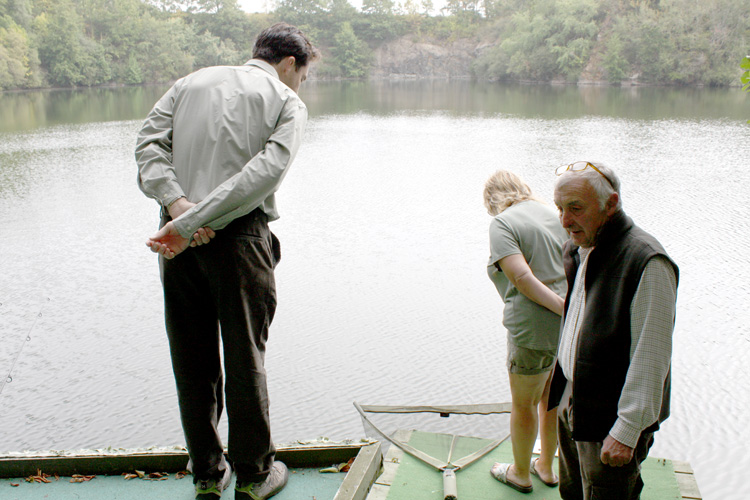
(450, 489)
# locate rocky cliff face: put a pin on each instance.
(411, 58)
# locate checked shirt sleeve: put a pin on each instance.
(652, 323)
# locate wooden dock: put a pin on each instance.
(687, 487)
(683, 472)
(97, 474)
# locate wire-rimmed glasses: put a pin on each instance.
(578, 166)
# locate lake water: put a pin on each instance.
(383, 294)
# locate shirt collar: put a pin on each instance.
(260, 63)
(584, 252)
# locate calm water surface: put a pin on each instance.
(383, 295)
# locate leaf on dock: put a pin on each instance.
(80, 478)
(40, 477)
(151, 476)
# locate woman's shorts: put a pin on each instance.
(523, 361)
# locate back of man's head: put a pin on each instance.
(283, 40)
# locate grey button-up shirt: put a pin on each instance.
(223, 137)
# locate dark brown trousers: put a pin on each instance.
(583, 476)
(224, 290)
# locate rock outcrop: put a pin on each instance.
(408, 57)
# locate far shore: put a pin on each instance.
(409, 77)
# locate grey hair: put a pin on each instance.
(504, 189)
(604, 184)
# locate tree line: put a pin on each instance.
(67, 43)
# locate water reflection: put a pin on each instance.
(29, 110)
(33, 109)
(528, 101)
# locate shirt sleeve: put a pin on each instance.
(502, 241)
(652, 323)
(258, 179)
(153, 153)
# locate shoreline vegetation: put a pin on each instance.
(64, 44)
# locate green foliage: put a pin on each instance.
(549, 39)
(378, 7)
(132, 72)
(660, 42)
(350, 53)
(466, 11)
(651, 50)
(17, 10)
(68, 56)
(165, 55)
(300, 11)
(447, 28)
(614, 62)
(92, 42)
(745, 78)
(19, 63)
(683, 41)
(227, 35)
(377, 29)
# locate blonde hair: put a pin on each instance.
(502, 190)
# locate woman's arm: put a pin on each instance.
(519, 273)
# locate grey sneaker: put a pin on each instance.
(210, 489)
(273, 484)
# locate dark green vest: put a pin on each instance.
(613, 273)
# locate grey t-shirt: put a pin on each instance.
(533, 230)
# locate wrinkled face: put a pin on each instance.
(290, 74)
(579, 210)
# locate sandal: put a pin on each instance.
(500, 472)
(551, 484)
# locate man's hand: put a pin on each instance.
(204, 234)
(167, 242)
(615, 453)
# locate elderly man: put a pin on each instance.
(612, 378)
(212, 152)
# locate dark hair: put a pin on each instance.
(283, 40)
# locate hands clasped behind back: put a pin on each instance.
(168, 242)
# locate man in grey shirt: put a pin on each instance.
(212, 152)
(612, 379)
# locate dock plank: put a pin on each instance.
(391, 462)
(680, 466)
(362, 474)
(688, 486)
(378, 492)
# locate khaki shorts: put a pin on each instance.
(523, 361)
